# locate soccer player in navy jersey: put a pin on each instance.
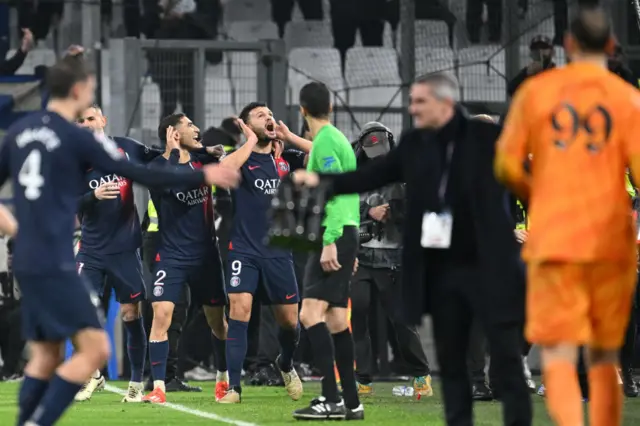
(109, 249)
(187, 254)
(253, 268)
(46, 157)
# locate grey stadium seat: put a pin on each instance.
(307, 64)
(247, 10)
(308, 34)
(372, 76)
(253, 30)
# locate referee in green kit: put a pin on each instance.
(327, 275)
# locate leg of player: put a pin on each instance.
(92, 352)
(217, 322)
(44, 358)
(289, 336)
(239, 316)
(563, 395)
(605, 396)
(136, 349)
(159, 350)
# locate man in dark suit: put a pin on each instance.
(464, 263)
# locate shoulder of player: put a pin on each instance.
(125, 141)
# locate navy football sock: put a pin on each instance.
(136, 348)
(158, 353)
(31, 392)
(236, 350)
(56, 400)
(288, 338)
(220, 353)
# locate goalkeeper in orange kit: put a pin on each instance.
(581, 125)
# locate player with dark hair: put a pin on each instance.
(46, 157)
(580, 124)
(187, 254)
(253, 268)
(326, 283)
(109, 245)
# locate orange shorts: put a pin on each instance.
(579, 303)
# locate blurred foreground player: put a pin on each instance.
(581, 125)
(111, 238)
(187, 254)
(46, 157)
(327, 275)
(253, 268)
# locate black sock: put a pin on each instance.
(344, 349)
(322, 346)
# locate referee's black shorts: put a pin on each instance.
(333, 287)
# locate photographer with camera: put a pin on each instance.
(381, 217)
(541, 53)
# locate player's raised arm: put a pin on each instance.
(287, 135)
(103, 153)
(8, 223)
(236, 159)
(512, 148)
(138, 151)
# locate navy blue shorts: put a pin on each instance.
(57, 306)
(122, 271)
(272, 281)
(206, 281)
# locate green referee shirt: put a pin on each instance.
(332, 153)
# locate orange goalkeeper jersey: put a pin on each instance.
(581, 123)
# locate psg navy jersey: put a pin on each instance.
(47, 157)
(112, 226)
(185, 214)
(261, 175)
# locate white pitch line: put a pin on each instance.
(187, 410)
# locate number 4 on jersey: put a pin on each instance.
(30, 176)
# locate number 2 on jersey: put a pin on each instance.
(30, 175)
(595, 126)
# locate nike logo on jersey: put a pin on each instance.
(290, 296)
(253, 167)
(133, 296)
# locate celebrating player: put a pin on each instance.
(46, 157)
(581, 125)
(254, 268)
(187, 254)
(109, 247)
(327, 275)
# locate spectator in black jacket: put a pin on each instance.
(541, 52)
(617, 65)
(11, 65)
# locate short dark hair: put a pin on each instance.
(591, 29)
(62, 76)
(230, 126)
(169, 120)
(315, 97)
(244, 114)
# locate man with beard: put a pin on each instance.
(187, 254)
(254, 268)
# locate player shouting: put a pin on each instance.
(188, 252)
(109, 247)
(253, 268)
(46, 157)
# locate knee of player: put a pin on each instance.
(162, 312)
(597, 356)
(240, 308)
(129, 312)
(95, 344)
(309, 318)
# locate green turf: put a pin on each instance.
(269, 406)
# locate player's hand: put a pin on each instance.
(27, 40)
(379, 213)
(247, 132)
(355, 266)
(173, 138)
(216, 151)
(303, 177)
(283, 132)
(329, 258)
(107, 191)
(521, 235)
(220, 175)
(278, 148)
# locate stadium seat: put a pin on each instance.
(477, 55)
(308, 34)
(247, 10)
(388, 37)
(35, 57)
(478, 84)
(150, 106)
(430, 60)
(307, 64)
(428, 33)
(372, 76)
(218, 101)
(253, 30)
(244, 77)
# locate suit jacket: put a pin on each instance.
(417, 161)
